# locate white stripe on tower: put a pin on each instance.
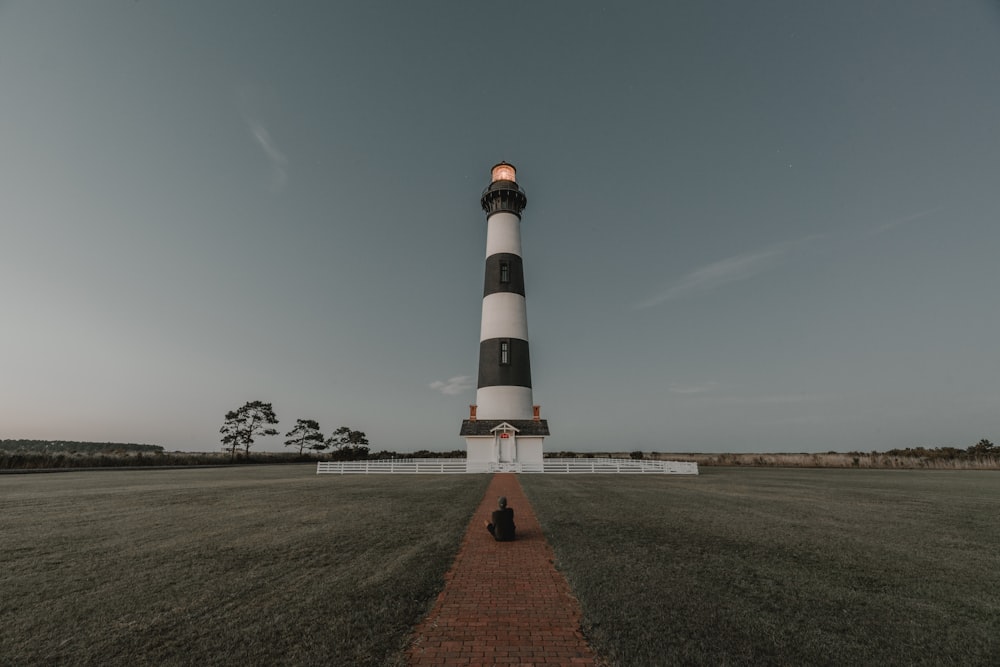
(504, 389)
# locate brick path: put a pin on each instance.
(503, 603)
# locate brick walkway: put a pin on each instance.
(503, 603)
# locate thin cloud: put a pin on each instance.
(777, 399)
(765, 399)
(692, 388)
(897, 222)
(714, 275)
(715, 393)
(279, 163)
(452, 386)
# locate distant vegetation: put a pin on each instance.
(982, 449)
(984, 455)
(347, 444)
(42, 455)
(73, 447)
(36, 454)
(23, 459)
(257, 418)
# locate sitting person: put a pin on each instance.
(502, 525)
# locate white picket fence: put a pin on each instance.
(395, 466)
(461, 466)
(620, 466)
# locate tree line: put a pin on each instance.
(75, 447)
(255, 419)
(982, 449)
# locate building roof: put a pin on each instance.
(523, 426)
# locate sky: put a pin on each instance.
(751, 227)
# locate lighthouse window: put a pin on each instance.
(505, 272)
(504, 352)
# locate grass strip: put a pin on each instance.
(262, 565)
(763, 566)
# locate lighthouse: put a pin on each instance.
(504, 431)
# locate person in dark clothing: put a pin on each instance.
(502, 525)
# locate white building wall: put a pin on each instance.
(483, 450)
(529, 449)
(480, 449)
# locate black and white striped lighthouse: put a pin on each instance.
(504, 427)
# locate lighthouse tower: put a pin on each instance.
(504, 430)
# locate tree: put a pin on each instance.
(305, 434)
(349, 443)
(244, 424)
(983, 448)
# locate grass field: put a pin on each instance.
(250, 565)
(768, 566)
(276, 565)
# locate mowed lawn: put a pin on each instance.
(792, 567)
(235, 566)
(276, 565)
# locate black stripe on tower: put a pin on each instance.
(504, 362)
(504, 273)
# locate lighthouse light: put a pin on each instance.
(504, 172)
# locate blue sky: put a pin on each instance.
(750, 226)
